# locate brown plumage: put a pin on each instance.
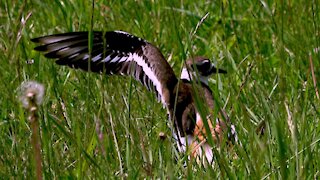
(120, 53)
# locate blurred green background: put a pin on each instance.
(95, 126)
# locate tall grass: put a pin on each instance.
(96, 126)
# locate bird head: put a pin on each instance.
(199, 69)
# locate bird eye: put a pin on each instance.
(206, 62)
(203, 66)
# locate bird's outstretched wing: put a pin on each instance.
(112, 52)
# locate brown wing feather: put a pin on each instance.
(113, 52)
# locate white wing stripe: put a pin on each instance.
(86, 57)
(123, 59)
(55, 39)
(106, 59)
(63, 49)
(73, 55)
(148, 72)
(115, 59)
(96, 58)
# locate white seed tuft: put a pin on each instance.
(31, 91)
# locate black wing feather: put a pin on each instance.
(113, 52)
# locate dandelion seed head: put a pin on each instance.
(31, 92)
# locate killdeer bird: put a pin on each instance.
(118, 52)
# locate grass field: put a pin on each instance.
(94, 126)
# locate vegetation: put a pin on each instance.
(97, 126)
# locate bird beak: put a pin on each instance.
(213, 70)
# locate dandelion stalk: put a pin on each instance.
(31, 96)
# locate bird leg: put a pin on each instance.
(201, 134)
